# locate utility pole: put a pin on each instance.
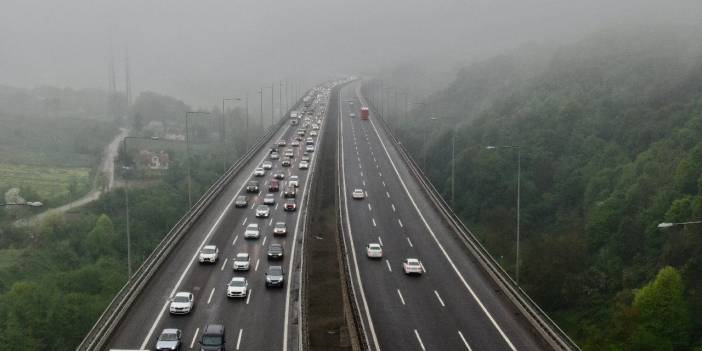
(187, 151)
(280, 99)
(272, 103)
(260, 92)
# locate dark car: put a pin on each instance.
(252, 186)
(286, 163)
(212, 338)
(241, 201)
(275, 252)
(275, 276)
(274, 185)
(290, 191)
(279, 175)
(290, 205)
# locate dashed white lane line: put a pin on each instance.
(400, 295)
(464, 341)
(256, 267)
(238, 340)
(224, 264)
(209, 299)
(380, 174)
(421, 344)
(244, 223)
(383, 183)
(373, 219)
(248, 296)
(387, 194)
(400, 222)
(235, 239)
(360, 166)
(276, 205)
(393, 208)
(439, 298)
(361, 174)
(364, 183)
(409, 242)
(387, 262)
(264, 241)
(270, 222)
(369, 207)
(192, 343)
(359, 159)
(380, 241)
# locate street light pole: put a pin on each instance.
(126, 203)
(187, 151)
(519, 174)
(224, 135)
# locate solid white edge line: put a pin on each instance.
(373, 219)
(441, 247)
(348, 228)
(465, 342)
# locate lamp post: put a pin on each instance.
(224, 134)
(126, 203)
(260, 92)
(187, 151)
(28, 204)
(519, 172)
(669, 224)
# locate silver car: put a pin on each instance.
(169, 339)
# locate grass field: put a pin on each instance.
(52, 184)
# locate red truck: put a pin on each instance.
(364, 113)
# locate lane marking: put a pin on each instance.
(248, 296)
(224, 264)
(409, 242)
(384, 183)
(364, 183)
(369, 207)
(400, 295)
(387, 262)
(192, 343)
(373, 219)
(421, 344)
(270, 222)
(441, 247)
(380, 241)
(238, 340)
(387, 194)
(256, 268)
(235, 239)
(393, 208)
(439, 298)
(380, 174)
(400, 222)
(464, 341)
(361, 173)
(244, 223)
(264, 241)
(209, 299)
(360, 166)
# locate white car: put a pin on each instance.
(262, 211)
(238, 287)
(295, 143)
(309, 141)
(181, 303)
(252, 231)
(374, 250)
(259, 172)
(412, 266)
(269, 199)
(267, 165)
(289, 153)
(294, 181)
(304, 165)
(241, 262)
(358, 194)
(309, 148)
(313, 133)
(315, 126)
(280, 228)
(209, 253)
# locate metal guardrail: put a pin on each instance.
(538, 319)
(110, 318)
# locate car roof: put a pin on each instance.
(252, 225)
(214, 329)
(270, 195)
(183, 293)
(358, 189)
(374, 245)
(278, 223)
(271, 268)
(261, 207)
(412, 260)
(238, 279)
(242, 254)
(209, 247)
(276, 245)
(170, 331)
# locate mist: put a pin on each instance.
(201, 51)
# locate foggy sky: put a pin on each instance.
(203, 50)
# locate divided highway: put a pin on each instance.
(267, 318)
(453, 305)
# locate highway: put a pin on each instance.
(453, 305)
(265, 320)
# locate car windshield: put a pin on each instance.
(262, 208)
(168, 337)
(276, 247)
(237, 283)
(211, 340)
(280, 225)
(181, 299)
(208, 250)
(275, 271)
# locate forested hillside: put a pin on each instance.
(610, 132)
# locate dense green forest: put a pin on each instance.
(610, 133)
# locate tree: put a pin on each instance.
(663, 321)
(102, 239)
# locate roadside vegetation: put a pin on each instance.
(610, 130)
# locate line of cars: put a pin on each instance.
(213, 336)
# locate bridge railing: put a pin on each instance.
(556, 338)
(103, 328)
